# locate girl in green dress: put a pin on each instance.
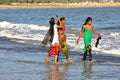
(86, 33)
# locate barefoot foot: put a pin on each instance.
(69, 61)
(46, 60)
(91, 61)
(55, 62)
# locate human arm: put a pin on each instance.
(96, 33)
(80, 35)
(60, 24)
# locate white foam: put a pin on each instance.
(104, 47)
(22, 31)
(108, 45)
(9, 25)
(115, 34)
(111, 51)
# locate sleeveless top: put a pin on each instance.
(55, 37)
(87, 39)
(63, 28)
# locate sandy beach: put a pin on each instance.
(60, 5)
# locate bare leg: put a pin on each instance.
(55, 60)
(69, 61)
(47, 59)
(52, 50)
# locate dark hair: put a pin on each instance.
(87, 20)
(52, 21)
(61, 19)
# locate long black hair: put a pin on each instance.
(87, 20)
(52, 21)
(61, 19)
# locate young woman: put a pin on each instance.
(54, 46)
(62, 37)
(86, 32)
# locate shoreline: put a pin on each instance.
(60, 5)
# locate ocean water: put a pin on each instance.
(102, 17)
(32, 24)
(22, 54)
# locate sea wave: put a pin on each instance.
(110, 28)
(22, 31)
(109, 44)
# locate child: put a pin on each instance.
(54, 46)
(86, 32)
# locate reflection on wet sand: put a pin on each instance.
(55, 72)
(87, 70)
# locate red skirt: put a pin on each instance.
(54, 50)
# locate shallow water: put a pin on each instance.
(22, 54)
(22, 61)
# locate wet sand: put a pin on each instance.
(59, 5)
(23, 61)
